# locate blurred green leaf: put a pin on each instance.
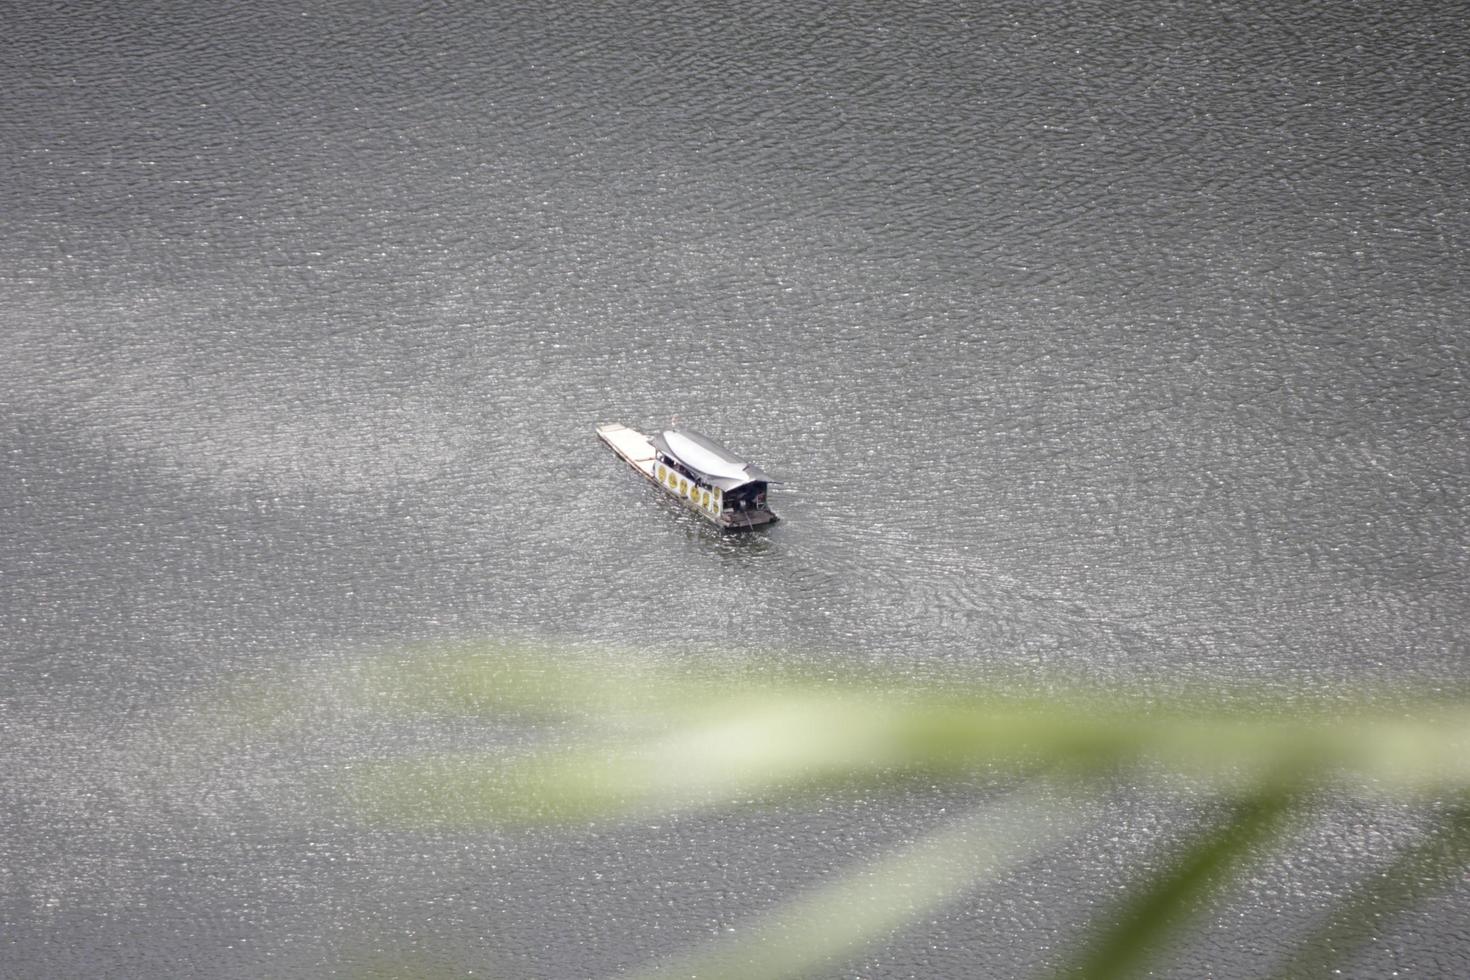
(868, 903)
(1416, 872)
(625, 737)
(645, 741)
(1158, 906)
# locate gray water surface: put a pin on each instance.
(1121, 344)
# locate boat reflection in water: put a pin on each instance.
(702, 474)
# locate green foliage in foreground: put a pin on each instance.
(626, 738)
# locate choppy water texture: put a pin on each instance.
(1122, 342)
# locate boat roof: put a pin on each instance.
(708, 458)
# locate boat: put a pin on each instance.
(700, 473)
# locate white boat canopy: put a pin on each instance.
(708, 458)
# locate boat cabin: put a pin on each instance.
(716, 481)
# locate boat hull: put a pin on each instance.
(636, 449)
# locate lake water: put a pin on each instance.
(1116, 344)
